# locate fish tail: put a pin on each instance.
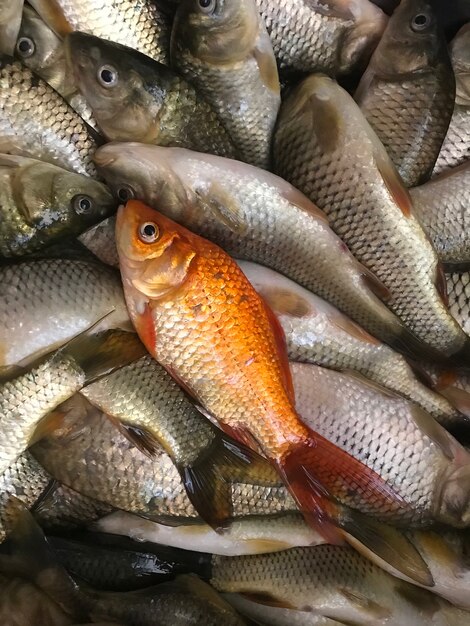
(209, 478)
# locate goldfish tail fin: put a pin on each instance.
(208, 479)
(317, 471)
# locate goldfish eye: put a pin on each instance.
(82, 204)
(207, 6)
(25, 47)
(148, 232)
(421, 22)
(125, 193)
(107, 76)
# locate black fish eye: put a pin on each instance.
(25, 47)
(125, 193)
(207, 5)
(148, 232)
(421, 22)
(107, 76)
(82, 204)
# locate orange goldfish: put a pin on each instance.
(199, 316)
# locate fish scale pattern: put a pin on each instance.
(456, 147)
(458, 290)
(35, 121)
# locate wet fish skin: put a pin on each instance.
(333, 581)
(146, 101)
(55, 133)
(46, 302)
(458, 289)
(442, 208)
(331, 38)
(100, 240)
(456, 147)
(40, 49)
(318, 333)
(42, 203)
(151, 487)
(26, 480)
(29, 397)
(252, 215)
(142, 27)
(407, 92)
(10, 20)
(324, 147)
(352, 413)
(150, 406)
(225, 51)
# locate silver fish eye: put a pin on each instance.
(148, 232)
(420, 22)
(107, 76)
(125, 193)
(25, 47)
(207, 6)
(82, 204)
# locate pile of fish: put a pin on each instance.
(235, 314)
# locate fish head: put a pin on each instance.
(48, 195)
(114, 81)
(412, 42)
(460, 54)
(216, 31)
(40, 49)
(143, 172)
(155, 255)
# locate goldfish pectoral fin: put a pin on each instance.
(382, 543)
(317, 472)
(208, 480)
(223, 207)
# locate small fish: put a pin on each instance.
(35, 121)
(25, 479)
(10, 20)
(223, 48)
(407, 92)
(140, 26)
(442, 207)
(40, 49)
(41, 203)
(198, 315)
(326, 148)
(394, 438)
(253, 215)
(153, 411)
(332, 37)
(318, 333)
(46, 302)
(298, 585)
(27, 399)
(456, 147)
(134, 98)
(149, 486)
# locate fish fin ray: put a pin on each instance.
(267, 600)
(218, 203)
(394, 184)
(441, 284)
(375, 284)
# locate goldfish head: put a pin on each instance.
(155, 253)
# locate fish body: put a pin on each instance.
(331, 38)
(40, 49)
(393, 437)
(326, 148)
(148, 486)
(151, 407)
(458, 288)
(317, 333)
(442, 207)
(46, 302)
(140, 26)
(134, 98)
(42, 203)
(29, 397)
(225, 50)
(330, 581)
(456, 147)
(232, 359)
(35, 121)
(252, 215)
(407, 92)
(100, 240)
